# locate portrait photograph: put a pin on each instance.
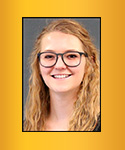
(61, 74)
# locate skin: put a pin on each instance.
(63, 92)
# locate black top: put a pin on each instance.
(98, 126)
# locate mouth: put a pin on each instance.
(61, 76)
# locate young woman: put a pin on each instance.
(64, 84)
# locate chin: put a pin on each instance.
(64, 89)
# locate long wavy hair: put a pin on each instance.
(87, 105)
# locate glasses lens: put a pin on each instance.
(47, 59)
(72, 58)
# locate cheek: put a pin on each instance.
(80, 70)
(44, 72)
(80, 74)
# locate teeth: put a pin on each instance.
(60, 76)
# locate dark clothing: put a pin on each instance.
(98, 126)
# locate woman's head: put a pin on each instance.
(64, 69)
(86, 74)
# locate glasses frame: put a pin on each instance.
(61, 54)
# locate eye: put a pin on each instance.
(49, 57)
(71, 56)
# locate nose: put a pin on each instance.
(60, 64)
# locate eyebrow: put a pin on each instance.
(69, 50)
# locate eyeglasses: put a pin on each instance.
(70, 58)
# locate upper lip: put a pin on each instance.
(60, 74)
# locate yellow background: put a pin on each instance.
(112, 79)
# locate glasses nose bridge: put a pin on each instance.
(61, 54)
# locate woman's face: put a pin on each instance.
(61, 78)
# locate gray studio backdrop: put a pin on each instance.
(32, 28)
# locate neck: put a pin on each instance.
(61, 108)
(61, 104)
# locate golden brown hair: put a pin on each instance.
(87, 105)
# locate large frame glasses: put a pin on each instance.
(70, 58)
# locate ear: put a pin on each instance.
(93, 58)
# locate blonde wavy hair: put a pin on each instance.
(87, 105)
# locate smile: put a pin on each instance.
(61, 76)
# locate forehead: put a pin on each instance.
(60, 41)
